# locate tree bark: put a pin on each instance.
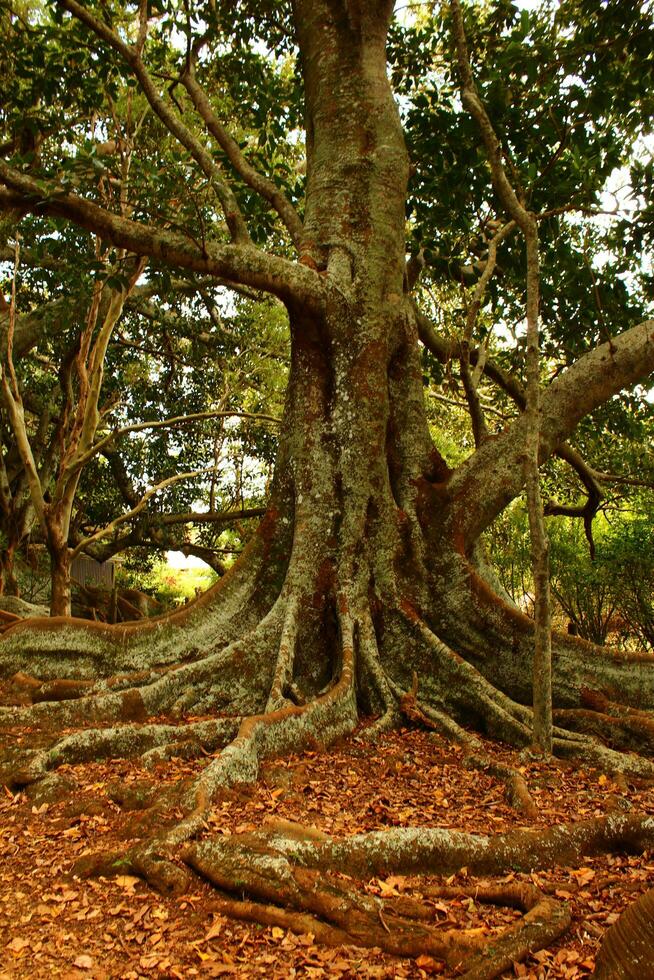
(60, 598)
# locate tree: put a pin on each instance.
(363, 590)
(56, 369)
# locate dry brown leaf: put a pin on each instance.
(18, 945)
(128, 882)
(84, 962)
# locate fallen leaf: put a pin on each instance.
(84, 962)
(215, 929)
(17, 945)
(128, 882)
(429, 964)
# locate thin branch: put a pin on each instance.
(132, 57)
(176, 420)
(465, 406)
(470, 379)
(265, 187)
(118, 521)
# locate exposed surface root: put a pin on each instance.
(56, 647)
(291, 877)
(270, 877)
(287, 729)
(405, 850)
(228, 677)
(291, 881)
(625, 728)
(152, 742)
(260, 867)
(464, 693)
(516, 790)
(434, 719)
(544, 921)
(279, 879)
(627, 952)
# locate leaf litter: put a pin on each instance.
(53, 925)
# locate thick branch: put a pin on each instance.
(241, 264)
(493, 476)
(444, 350)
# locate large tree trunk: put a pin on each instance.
(368, 533)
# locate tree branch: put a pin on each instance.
(132, 57)
(470, 379)
(118, 521)
(176, 420)
(262, 185)
(445, 350)
(241, 264)
(493, 476)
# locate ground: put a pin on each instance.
(55, 924)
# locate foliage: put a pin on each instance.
(566, 88)
(610, 596)
(170, 586)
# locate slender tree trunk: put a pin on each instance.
(60, 602)
(8, 581)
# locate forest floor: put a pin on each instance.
(55, 925)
